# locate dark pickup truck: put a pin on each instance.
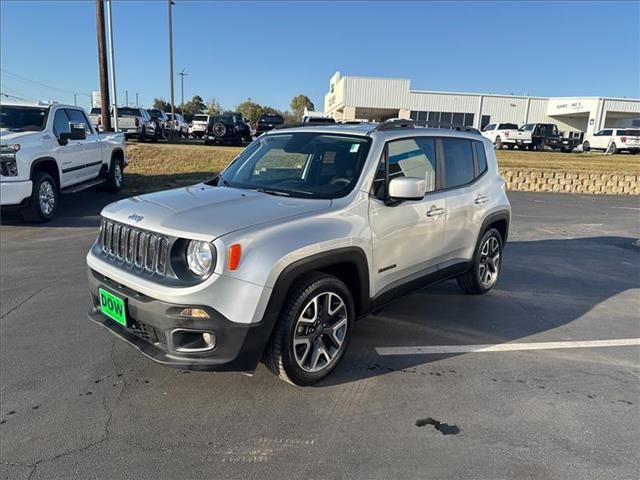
(539, 136)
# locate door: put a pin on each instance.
(69, 156)
(468, 196)
(407, 237)
(601, 139)
(91, 151)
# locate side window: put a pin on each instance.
(607, 133)
(458, 162)
(76, 116)
(411, 157)
(60, 123)
(480, 157)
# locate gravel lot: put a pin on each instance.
(78, 403)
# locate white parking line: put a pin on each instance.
(505, 347)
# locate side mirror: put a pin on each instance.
(407, 188)
(76, 132)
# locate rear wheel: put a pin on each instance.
(498, 143)
(510, 146)
(115, 176)
(487, 260)
(586, 147)
(44, 199)
(613, 148)
(313, 331)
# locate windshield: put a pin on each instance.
(310, 165)
(277, 119)
(527, 127)
(23, 119)
(631, 133)
(200, 118)
(155, 113)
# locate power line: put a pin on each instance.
(40, 84)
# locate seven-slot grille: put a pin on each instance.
(133, 246)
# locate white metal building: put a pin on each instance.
(370, 98)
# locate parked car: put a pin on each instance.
(500, 134)
(268, 121)
(306, 231)
(95, 117)
(539, 136)
(310, 119)
(227, 128)
(46, 150)
(161, 122)
(613, 140)
(179, 125)
(136, 123)
(199, 125)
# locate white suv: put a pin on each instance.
(613, 140)
(306, 231)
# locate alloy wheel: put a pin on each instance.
(489, 266)
(320, 332)
(117, 174)
(46, 198)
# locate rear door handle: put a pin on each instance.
(435, 211)
(481, 199)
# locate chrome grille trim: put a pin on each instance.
(133, 246)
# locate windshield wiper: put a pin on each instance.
(268, 191)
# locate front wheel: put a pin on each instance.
(510, 146)
(586, 147)
(487, 260)
(44, 199)
(313, 331)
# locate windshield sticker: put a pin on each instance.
(354, 147)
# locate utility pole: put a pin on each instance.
(102, 62)
(173, 109)
(112, 65)
(137, 100)
(126, 98)
(75, 99)
(182, 74)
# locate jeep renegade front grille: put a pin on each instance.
(133, 246)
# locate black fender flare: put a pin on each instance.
(501, 215)
(40, 160)
(317, 262)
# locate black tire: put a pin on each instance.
(498, 143)
(42, 211)
(280, 357)
(613, 149)
(115, 176)
(143, 135)
(634, 152)
(510, 146)
(471, 281)
(540, 147)
(586, 147)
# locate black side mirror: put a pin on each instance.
(76, 132)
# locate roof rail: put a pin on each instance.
(393, 124)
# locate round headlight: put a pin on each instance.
(199, 257)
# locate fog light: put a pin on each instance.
(194, 313)
(208, 339)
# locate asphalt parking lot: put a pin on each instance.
(78, 403)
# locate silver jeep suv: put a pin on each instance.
(306, 231)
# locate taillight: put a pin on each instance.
(623, 139)
(99, 120)
(137, 122)
(506, 134)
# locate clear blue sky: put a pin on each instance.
(271, 51)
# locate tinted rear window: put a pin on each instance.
(95, 111)
(508, 126)
(129, 111)
(276, 119)
(632, 133)
(200, 118)
(458, 161)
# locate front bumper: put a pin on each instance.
(239, 347)
(13, 193)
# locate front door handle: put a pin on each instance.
(481, 199)
(435, 211)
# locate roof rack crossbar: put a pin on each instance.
(393, 124)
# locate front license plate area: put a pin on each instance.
(113, 307)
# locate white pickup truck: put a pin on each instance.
(500, 134)
(47, 149)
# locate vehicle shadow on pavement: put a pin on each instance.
(545, 285)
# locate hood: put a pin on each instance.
(7, 136)
(204, 212)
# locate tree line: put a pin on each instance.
(250, 109)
